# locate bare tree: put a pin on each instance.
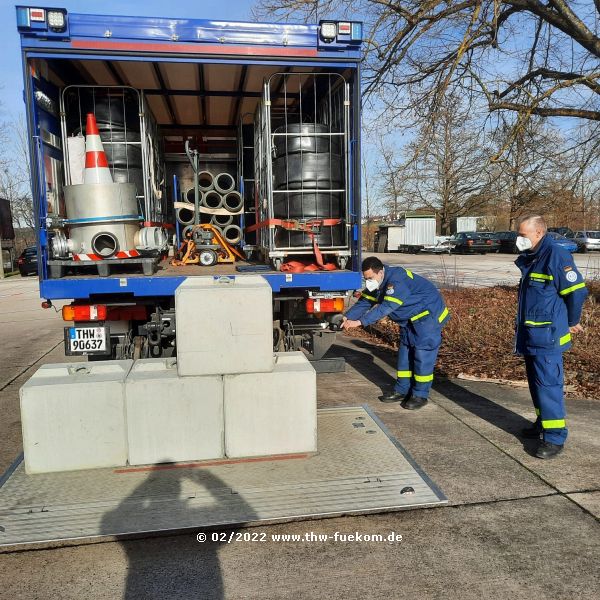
(532, 57)
(529, 163)
(14, 172)
(448, 170)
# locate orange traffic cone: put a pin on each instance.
(96, 165)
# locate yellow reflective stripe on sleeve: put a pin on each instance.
(371, 298)
(577, 286)
(541, 276)
(565, 339)
(404, 374)
(424, 378)
(409, 273)
(537, 412)
(538, 322)
(392, 299)
(420, 315)
(443, 315)
(554, 424)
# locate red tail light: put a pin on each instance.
(489, 242)
(20, 261)
(86, 312)
(323, 305)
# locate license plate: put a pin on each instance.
(86, 340)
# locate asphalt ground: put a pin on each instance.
(515, 527)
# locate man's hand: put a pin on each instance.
(576, 328)
(348, 324)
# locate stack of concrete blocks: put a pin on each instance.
(73, 416)
(226, 393)
(270, 401)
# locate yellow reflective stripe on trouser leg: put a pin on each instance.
(443, 315)
(392, 299)
(420, 315)
(554, 424)
(404, 374)
(565, 339)
(537, 412)
(424, 378)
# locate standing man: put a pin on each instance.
(551, 295)
(417, 306)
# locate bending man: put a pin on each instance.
(418, 307)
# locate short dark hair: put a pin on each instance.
(373, 263)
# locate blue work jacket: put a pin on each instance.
(551, 296)
(406, 298)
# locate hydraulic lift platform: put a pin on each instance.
(358, 469)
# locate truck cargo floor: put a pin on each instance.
(358, 468)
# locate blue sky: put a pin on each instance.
(11, 80)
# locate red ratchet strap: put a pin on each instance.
(311, 228)
(293, 225)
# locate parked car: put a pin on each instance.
(508, 241)
(493, 236)
(561, 240)
(28, 261)
(565, 231)
(470, 242)
(441, 246)
(586, 240)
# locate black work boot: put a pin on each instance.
(414, 403)
(532, 432)
(548, 450)
(392, 397)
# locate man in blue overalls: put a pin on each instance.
(418, 307)
(551, 296)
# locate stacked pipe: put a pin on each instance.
(308, 173)
(220, 205)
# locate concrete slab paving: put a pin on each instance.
(521, 549)
(500, 412)
(590, 501)
(497, 413)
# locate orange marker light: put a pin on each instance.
(87, 312)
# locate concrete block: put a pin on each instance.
(224, 325)
(172, 418)
(73, 416)
(272, 413)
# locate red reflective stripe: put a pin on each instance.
(156, 224)
(95, 159)
(194, 48)
(86, 257)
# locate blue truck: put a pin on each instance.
(190, 110)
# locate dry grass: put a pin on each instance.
(478, 339)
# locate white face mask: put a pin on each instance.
(523, 243)
(372, 284)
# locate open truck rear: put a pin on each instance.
(275, 109)
(271, 109)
